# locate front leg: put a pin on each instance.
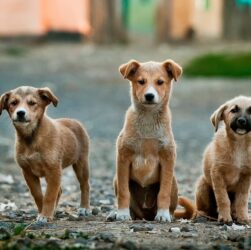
(33, 183)
(241, 199)
(167, 162)
(122, 185)
(53, 178)
(221, 196)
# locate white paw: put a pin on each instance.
(163, 215)
(121, 214)
(84, 211)
(41, 219)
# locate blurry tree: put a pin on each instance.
(107, 21)
(162, 20)
(237, 19)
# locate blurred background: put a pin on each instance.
(75, 48)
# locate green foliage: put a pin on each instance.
(220, 65)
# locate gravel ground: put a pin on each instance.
(87, 82)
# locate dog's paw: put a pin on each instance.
(119, 215)
(42, 219)
(163, 215)
(84, 211)
(242, 219)
(226, 219)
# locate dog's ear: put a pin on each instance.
(128, 70)
(47, 95)
(173, 69)
(3, 101)
(217, 116)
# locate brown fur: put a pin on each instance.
(45, 146)
(146, 150)
(222, 192)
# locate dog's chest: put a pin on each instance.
(34, 161)
(145, 163)
(241, 157)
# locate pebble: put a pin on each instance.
(4, 234)
(95, 211)
(174, 230)
(141, 227)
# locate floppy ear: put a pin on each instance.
(173, 69)
(3, 101)
(47, 95)
(217, 116)
(127, 70)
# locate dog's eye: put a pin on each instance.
(160, 82)
(236, 109)
(31, 103)
(249, 110)
(13, 103)
(142, 82)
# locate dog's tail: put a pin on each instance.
(188, 211)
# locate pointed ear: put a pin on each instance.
(128, 70)
(47, 95)
(173, 69)
(3, 101)
(217, 116)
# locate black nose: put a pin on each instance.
(149, 97)
(20, 114)
(242, 121)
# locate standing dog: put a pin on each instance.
(144, 183)
(45, 146)
(224, 188)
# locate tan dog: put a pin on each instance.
(45, 146)
(224, 189)
(145, 184)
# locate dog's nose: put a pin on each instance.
(21, 113)
(149, 97)
(242, 121)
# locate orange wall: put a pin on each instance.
(35, 17)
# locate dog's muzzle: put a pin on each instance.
(21, 116)
(241, 125)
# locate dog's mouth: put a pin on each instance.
(21, 121)
(240, 129)
(149, 103)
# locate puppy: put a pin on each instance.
(223, 190)
(44, 147)
(144, 183)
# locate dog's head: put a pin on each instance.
(26, 105)
(236, 115)
(150, 81)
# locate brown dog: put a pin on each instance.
(145, 184)
(224, 189)
(45, 146)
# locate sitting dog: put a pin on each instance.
(144, 183)
(223, 190)
(44, 147)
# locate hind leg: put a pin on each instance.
(174, 196)
(81, 169)
(204, 200)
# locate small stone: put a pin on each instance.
(200, 219)
(174, 230)
(95, 211)
(107, 237)
(189, 234)
(186, 229)
(4, 234)
(130, 245)
(105, 209)
(141, 227)
(105, 202)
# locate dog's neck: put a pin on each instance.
(150, 122)
(28, 134)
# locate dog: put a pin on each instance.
(45, 146)
(144, 183)
(222, 192)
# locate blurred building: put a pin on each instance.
(112, 20)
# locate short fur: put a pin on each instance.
(144, 183)
(45, 146)
(222, 192)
